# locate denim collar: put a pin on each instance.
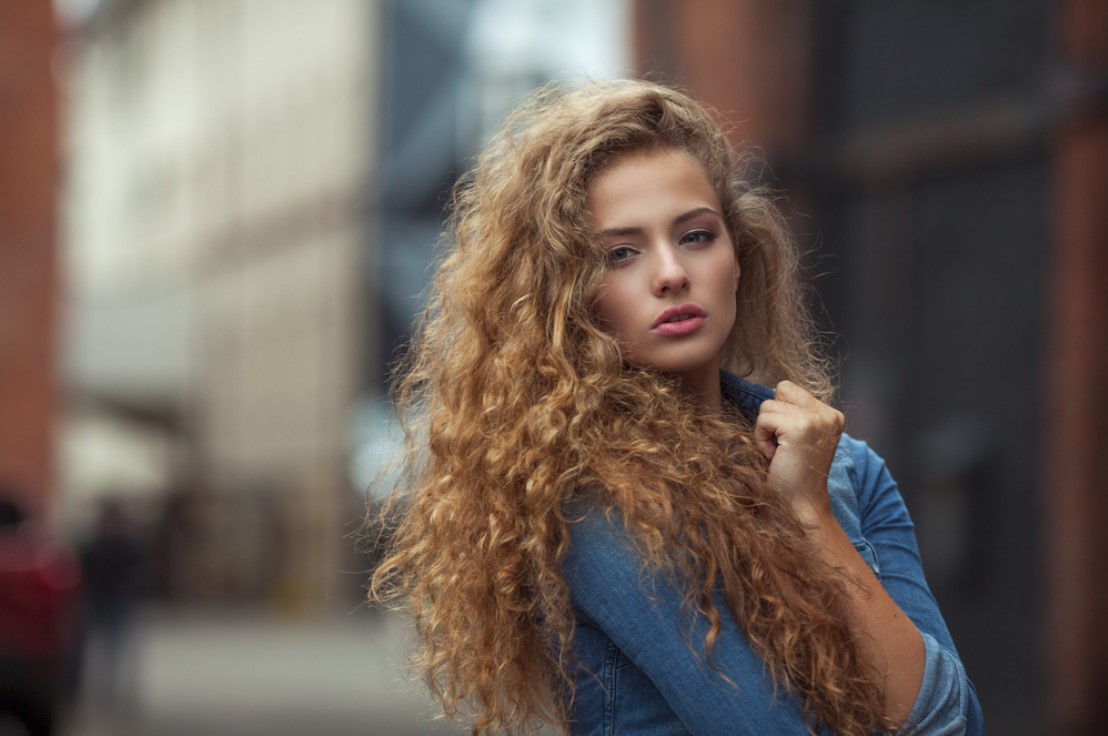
(746, 396)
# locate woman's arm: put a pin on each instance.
(884, 634)
(947, 702)
(897, 621)
(799, 435)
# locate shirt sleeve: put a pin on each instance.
(642, 614)
(947, 703)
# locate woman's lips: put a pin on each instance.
(684, 327)
(678, 321)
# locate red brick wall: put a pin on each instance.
(747, 58)
(1075, 486)
(28, 260)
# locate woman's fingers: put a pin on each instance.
(798, 434)
(765, 433)
(797, 415)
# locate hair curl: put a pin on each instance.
(515, 400)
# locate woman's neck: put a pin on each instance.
(702, 386)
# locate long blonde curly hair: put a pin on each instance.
(516, 401)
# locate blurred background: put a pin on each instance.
(216, 219)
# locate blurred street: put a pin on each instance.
(249, 673)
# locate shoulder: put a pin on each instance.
(600, 552)
(610, 584)
(865, 462)
(877, 493)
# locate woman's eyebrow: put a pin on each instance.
(616, 232)
(679, 220)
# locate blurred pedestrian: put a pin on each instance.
(610, 521)
(113, 562)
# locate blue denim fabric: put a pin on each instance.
(637, 673)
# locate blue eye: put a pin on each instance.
(698, 237)
(620, 254)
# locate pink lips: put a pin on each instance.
(681, 320)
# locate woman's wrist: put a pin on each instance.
(814, 509)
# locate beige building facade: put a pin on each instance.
(215, 234)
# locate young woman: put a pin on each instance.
(604, 526)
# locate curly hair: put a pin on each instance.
(516, 401)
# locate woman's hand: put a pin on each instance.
(798, 434)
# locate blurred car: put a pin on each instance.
(40, 621)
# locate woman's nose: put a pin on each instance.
(669, 275)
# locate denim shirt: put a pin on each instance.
(637, 675)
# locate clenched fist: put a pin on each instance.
(798, 434)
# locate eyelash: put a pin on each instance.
(612, 259)
(706, 236)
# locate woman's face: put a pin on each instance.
(668, 292)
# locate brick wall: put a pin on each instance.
(28, 258)
(747, 58)
(1076, 397)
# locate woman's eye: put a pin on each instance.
(620, 254)
(698, 237)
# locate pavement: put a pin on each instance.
(249, 673)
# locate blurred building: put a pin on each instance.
(217, 156)
(28, 251)
(946, 159)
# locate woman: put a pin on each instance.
(605, 527)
